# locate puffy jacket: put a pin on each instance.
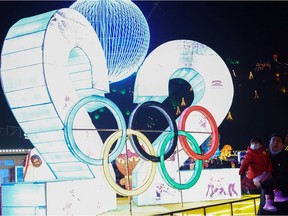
(280, 165)
(256, 161)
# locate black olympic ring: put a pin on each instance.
(172, 124)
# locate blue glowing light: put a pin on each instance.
(123, 32)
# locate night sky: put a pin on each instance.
(243, 32)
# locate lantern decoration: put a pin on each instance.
(225, 152)
(262, 65)
(123, 32)
(126, 167)
(36, 160)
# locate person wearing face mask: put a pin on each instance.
(279, 181)
(257, 164)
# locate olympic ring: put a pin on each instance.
(197, 169)
(68, 129)
(215, 136)
(140, 151)
(105, 168)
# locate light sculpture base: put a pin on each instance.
(79, 197)
(213, 184)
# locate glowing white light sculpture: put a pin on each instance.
(203, 69)
(122, 30)
(194, 62)
(49, 62)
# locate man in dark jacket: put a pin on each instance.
(279, 180)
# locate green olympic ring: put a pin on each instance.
(198, 164)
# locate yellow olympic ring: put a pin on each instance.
(105, 168)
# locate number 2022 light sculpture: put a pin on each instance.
(34, 89)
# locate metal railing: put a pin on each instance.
(185, 211)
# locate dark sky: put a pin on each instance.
(250, 32)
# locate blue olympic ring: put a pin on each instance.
(68, 129)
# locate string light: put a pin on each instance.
(14, 151)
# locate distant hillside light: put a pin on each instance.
(251, 76)
(256, 96)
(283, 90)
(229, 116)
(123, 32)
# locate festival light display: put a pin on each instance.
(54, 75)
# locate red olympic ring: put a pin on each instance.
(215, 136)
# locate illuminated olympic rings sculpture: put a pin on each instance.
(187, 141)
